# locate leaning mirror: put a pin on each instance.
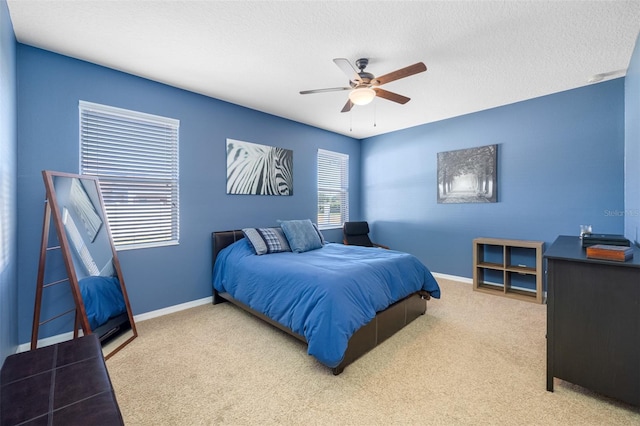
(75, 204)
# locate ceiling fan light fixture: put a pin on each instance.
(362, 95)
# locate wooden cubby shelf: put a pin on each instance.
(511, 268)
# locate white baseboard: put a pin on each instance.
(172, 309)
(470, 281)
(452, 277)
(181, 307)
(137, 318)
(47, 341)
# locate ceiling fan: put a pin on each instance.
(364, 86)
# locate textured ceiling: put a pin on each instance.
(261, 54)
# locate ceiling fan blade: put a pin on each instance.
(391, 96)
(332, 89)
(347, 68)
(401, 73)
(347, 107)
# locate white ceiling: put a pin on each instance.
(261, 54)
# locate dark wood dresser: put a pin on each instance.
(593, 321)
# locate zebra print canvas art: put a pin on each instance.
(258, 169)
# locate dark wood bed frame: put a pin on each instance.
(385, 324)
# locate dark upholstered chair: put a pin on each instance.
(357, 234)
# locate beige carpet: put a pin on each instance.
(473, 359)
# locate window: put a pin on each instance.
(333, 189)
(135, 157)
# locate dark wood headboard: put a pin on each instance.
(222, 239)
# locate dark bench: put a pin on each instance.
(62, 384)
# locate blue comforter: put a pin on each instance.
(102, 298)
(324, 295)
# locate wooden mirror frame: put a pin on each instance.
(113, 339)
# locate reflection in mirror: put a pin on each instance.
(91, 259)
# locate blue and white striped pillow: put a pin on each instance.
(267, 240)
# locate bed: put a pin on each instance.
(331, 281)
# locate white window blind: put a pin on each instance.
(135, 157)
(333, 189)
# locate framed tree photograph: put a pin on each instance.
(468, 175)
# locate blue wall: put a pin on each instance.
(560, 164)
(49, 88)
(8, 191)
(632, 147)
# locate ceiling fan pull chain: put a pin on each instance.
(375, 110)
(351, 120)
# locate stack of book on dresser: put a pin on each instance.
(610, 252)
(607, 247)
(591, 239)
